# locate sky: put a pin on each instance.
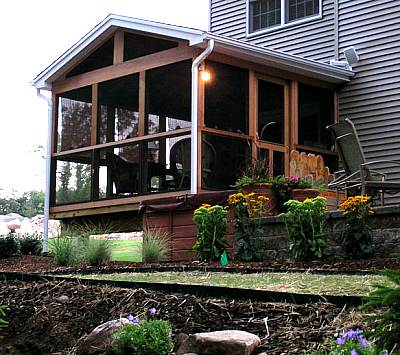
(33, 35)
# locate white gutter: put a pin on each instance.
(45, 248)
(194, 132)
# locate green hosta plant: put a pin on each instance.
(211, 230)
(306, 227)
(387, 299)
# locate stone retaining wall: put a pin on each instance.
(386, 233)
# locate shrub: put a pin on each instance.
(30, 244)
(154, 246)
(8, 246)
(248, 231)
(387, 299)
(152, 337)
(97, 252)
(211, 230)
(256, 172)
(306, 227)
(357, 237)
(66, 250)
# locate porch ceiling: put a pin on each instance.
(195, 37)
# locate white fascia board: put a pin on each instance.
(281, 60)
(194, 37)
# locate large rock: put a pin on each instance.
(232, 342)
(100, 340)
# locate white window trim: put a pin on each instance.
(283, 24)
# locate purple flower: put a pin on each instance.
(353, 352)
(340, 341)
(362, 341)
(152, 310)
(350, 334)
(132, 319)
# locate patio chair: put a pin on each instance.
(124, 175)
(357, 172)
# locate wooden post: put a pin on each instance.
(253, 112)
(142, 103)
(118, 47)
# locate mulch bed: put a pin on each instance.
(45, 264)
(41, 324)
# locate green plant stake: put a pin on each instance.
(224, 259)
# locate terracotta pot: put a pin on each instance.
(302, 194)
(264, 189)
(331, 202)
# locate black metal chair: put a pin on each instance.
(357, 172)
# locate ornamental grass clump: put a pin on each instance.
(306, 228)
(65, 250)
(211, 224)
(97, 252)
(154, 246)
(144, 337)
(386, 299)
(247, 208)
(357, 237)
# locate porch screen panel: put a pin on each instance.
(73, 178)
(168, 97)
(315, 112)
(224, 160)
(271, 112)
(226, 98)
(74, 119)
(119, 109)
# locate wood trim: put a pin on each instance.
(226, 133)
(118, 47)
(136, 65)
(93, 137)
(95, 211)
(294, 114)
(272, 146)
(267, 70)
(115, 202)
(335, 107)
(315, 149)
(253, 108)
(286, 103)
(54, 118)
(142, 103)
(175, 133)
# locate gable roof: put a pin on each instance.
(195, 37)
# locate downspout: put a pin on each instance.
(45, 248)
(194, 132)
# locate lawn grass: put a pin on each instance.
(285, 282)
(126, 250)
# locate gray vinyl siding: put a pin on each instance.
(314, 39)
(372, 98)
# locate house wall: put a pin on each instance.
(314, 39)
(372, 98)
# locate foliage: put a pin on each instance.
(86, 227)
(30, 244)
(155, 245)
(212, 224)
(248, 232)
(66, 250)
(3, 323)
(306, 227)
(81, 174)
(148, 337)
(256, 172)
(352, 342)
(97, 252)
(357, 237)
(8, 245)
(386, 298)
(30, 204)
(284, 185)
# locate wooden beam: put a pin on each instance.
(268, 70)
(294, 114)
(94, 131)
(95, 211)
(155, 136)
(118, 47)
(253, 109)
(54, 123)
(286, 103)
(226, 133)
(136, 65)
(142, 103)
(115, 202)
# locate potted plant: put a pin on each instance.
(292, 188)
(256, 179)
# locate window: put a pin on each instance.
(265, 14)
